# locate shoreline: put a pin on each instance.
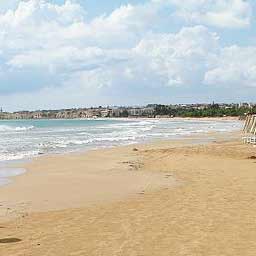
(124, 158)
(15, 162)
(131, 118)
(21, 164)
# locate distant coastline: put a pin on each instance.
(150, 111)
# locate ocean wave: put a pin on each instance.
(74, 142)
(62, 143)
(17, 144)
(18, 155)
(7, 128)
(132, 124)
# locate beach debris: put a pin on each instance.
(9, 240)
(133, 165)
(135, 149)
(24, 215)
(252, 157)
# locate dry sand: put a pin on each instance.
(167, 198)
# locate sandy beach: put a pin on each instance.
(127, 128)
(164, 198)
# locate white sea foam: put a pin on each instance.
(7, 128)
(18, 155)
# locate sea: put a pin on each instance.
(21, 140)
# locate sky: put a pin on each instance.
(80, 53)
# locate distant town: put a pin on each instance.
(149, 111)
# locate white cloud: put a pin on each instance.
(64, 59)
(219, 13)
(178, 57)
(233, 67)
(34, 12)
(39, 35)
(50, 25)
(52, 51)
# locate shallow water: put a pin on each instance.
(6, 173)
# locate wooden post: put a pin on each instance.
(254, 129)
(246, 123)
(253, 124)
(250, 124)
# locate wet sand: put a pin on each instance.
(165, 198)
